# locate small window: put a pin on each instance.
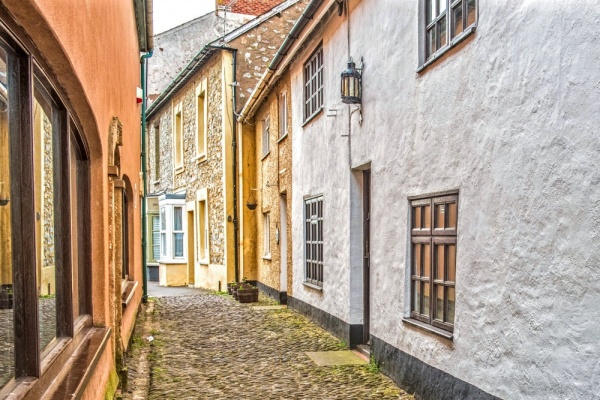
(265, 136)
(267, 235)
(433, 260)
(177, 232)
(283, 128)
(313, 240)
(313, 84)
(201, 115)
(178, 137)
(445, 20)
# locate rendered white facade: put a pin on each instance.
(509, 118)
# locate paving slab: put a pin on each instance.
(268, 307)
(331, 358)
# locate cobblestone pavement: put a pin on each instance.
(208, 346)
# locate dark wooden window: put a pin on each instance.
(433, 260)
(44, 217)
(313, 84)
(446, 20)
(313, 233)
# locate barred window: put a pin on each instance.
(313, 84)
(313, 235)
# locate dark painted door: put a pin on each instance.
(366, 255)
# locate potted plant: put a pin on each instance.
(6, 297)
(247, 294)
(230, 286)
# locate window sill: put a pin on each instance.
(157, 182)
(265, 155)
(175, 261)
(200, 158)
(203, 262)
(282, 137)
(267, 257)
(429, 328)
(440, 53)
(315, 115)
(127, 295)
(179, 170)
(313, 286)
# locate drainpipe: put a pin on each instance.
(234, 162)
(143, 62)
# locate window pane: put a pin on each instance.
(163, 219)
(457, 20)
(178, 245)
(431, 41)
(44, 216)
(416, 212)
(7, 352)
(442, 31)
(426, 295)
(439, 261)
(417, 296)
(416, 259)
(177, 218)
(451, 260)
(450, 315)
(427, 217)
(471, 12)
(442, 6)
(426, 259)
(163, 243)
(439, 216)
(452, 210)
(431, 14)
(439, 302)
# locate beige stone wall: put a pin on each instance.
(196, 174)
(274, 179)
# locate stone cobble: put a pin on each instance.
(208, 346)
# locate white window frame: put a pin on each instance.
(266, 126)
(283, 115)
(154, 244)
(313, 241)
(267, 235)
(178, 154)
(201, 120)
(163, 232)
(167, 213)
(313, 84)
(179, 231)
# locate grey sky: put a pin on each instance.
(170, 13)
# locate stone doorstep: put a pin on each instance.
(268, 307)
(331, 358)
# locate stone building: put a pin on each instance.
(265, 123)
(449, 219)
(70, 276)
(194, 148)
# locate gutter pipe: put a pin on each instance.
(143, 62)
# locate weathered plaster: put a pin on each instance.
(509, 119)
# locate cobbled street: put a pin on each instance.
(208, 346)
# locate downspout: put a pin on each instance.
(143, 70)
(234, 162)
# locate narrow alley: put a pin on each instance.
(205, 345)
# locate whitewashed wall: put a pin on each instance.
(511, 120)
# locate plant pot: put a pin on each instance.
(234, 292)
(248, 295)
(6, 301)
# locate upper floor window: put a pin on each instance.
(265, 136)
(201, 116)
(283, 117)
(178, 136)
(433, 260)
(313, 84)
(313, 240)
(446, 22)
(157, 151)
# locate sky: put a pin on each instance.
(170, 13)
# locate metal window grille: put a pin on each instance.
(313, 84)
(265, 136)
(177, 231)
(313, 233)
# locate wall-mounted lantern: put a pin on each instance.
(351, 87)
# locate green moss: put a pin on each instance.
(111, 385)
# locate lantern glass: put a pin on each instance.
(351, 85)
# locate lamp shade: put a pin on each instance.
(351, 87)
